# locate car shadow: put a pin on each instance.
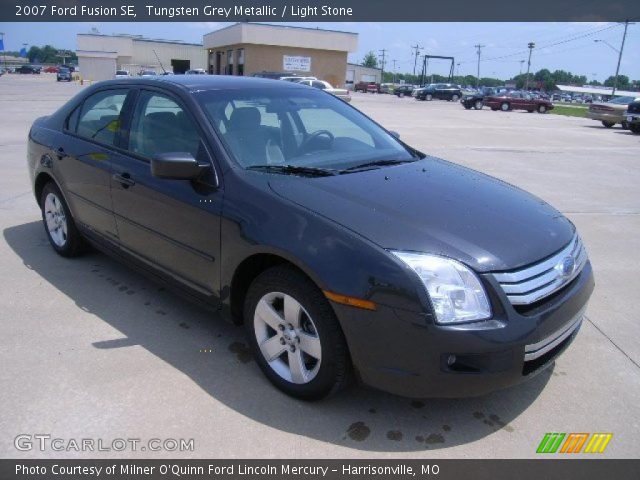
(177, 332)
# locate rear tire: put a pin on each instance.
(58, 223)
(542, 109)
(634, 127)
(505, 107)
(466, 106)
(288, 319)
(478, 105)
(624, 125)
(455, 98)
(607, 124)
(428, 97)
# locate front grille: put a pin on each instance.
(535, 282)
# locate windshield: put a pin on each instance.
(299, 127)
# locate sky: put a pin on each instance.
(559, 45)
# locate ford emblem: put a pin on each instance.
(566, 267)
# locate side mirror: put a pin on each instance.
(394, 134)
(176, 166)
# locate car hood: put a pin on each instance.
(437, 207)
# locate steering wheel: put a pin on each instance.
(318, 133)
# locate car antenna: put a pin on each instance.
(158, 58)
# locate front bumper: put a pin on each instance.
(404, 353)
(632, 118)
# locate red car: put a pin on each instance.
(50, 70)
(367, 87)
(518, 101)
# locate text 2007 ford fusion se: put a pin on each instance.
(345, 252)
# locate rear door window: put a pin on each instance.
(99, 116)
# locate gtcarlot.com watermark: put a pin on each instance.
(44, 442)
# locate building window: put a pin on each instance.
(240, 67)
(229, 62)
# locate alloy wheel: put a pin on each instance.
(287, 338)
(55, 219)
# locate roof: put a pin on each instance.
(282, 36)
(140, 38)
(213, 82)
(283, 26)
(597, 91)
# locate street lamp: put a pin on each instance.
(624, 36)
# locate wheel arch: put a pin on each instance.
(250, 268)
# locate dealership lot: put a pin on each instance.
(92, 350)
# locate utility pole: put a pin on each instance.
(394, 71)
(624, 36)
(416, 54)
(458, 69)
(521, 64)
(4, 55)
(530, 46)
(479, 47)
(383, 54)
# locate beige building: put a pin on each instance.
(248, 48)
(99, 56)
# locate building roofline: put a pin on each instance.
(282, 26)
(363, 66)
(142, 39)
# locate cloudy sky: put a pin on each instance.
(567, 46)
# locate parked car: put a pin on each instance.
(611, 112)
(196, 71)
(148, 73)
(440, 91)
(63, 75)
(29, 69)
(476, 99)
(633, 116)
(50, 69)
(341, 93)
(518, 101)
(122, 74)
(297, 78)
(385, 88)
(403, 90)
(450, 283)
(366, 87)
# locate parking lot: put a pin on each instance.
(90, 349)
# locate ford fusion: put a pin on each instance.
(346, 254)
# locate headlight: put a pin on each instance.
(455, 291)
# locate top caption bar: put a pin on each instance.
(318, 11)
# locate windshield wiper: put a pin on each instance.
(295, 169)
(377, 163)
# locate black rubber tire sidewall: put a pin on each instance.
(335, 367)
(74, 244)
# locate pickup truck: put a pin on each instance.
(367, 87)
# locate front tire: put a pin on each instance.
(606, 124)
(505, 107)
(295, 336)
(455, 98)
(478, 105)
(58, 223)
(542, 109)
(428, 97)
(634, 127)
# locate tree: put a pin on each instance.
(370, 60)
(623, 81)
(49, 54)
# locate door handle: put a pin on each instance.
(124, 179)
(60, 153)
